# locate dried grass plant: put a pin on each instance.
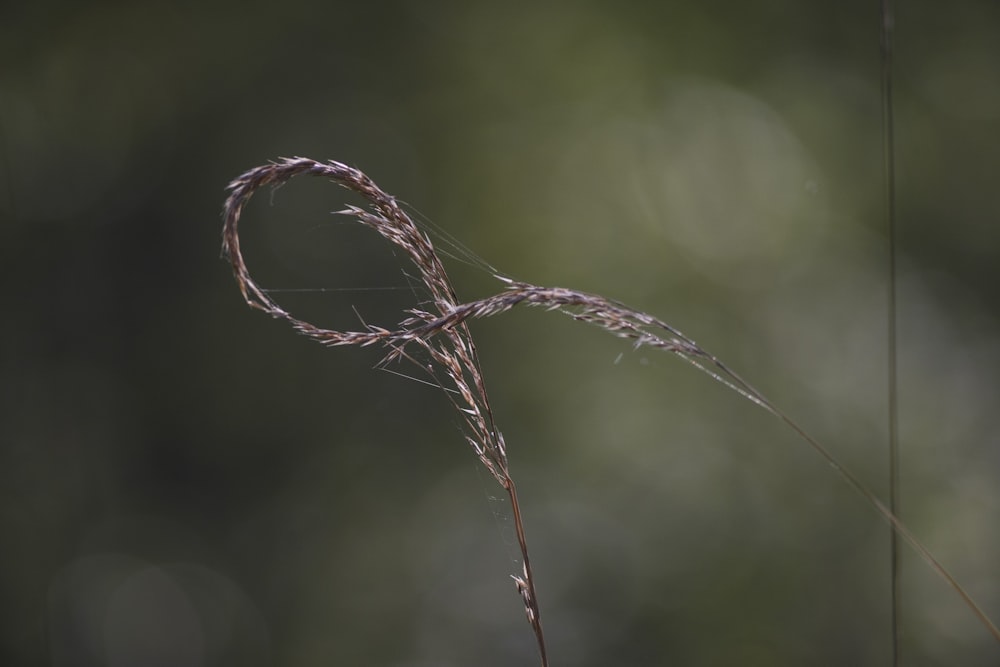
(450, 358)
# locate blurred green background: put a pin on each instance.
(184, 481)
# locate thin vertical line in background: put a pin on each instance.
(7, 176)
(889, 176)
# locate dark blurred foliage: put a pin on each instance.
(186, 482)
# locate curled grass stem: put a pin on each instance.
(440, 329)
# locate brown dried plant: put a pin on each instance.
(442, 333)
